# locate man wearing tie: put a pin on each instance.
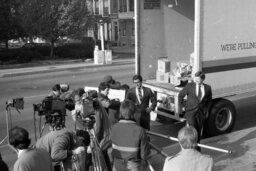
(199, 96)
(141, 96)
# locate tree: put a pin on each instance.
(9, 27)
(52, 19)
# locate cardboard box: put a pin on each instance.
(162, 77)
(108, 56)
(174, 80)
(164, 65)
(99, 57)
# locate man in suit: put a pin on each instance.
(188, 158)
(141, 96)
(28, 159)
(199, 95)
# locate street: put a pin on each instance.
(34, 87)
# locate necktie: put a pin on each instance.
(140, 94)
(199, 92)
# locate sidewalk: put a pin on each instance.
(55, 65)
(242, 144)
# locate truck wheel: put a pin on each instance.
(221, 118)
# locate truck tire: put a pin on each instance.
(221, 118)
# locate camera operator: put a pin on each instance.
(28, 159)
(111, 106)
(111, 82)
(55, 93)
(61, 144)
(78, 111)
(60, 91)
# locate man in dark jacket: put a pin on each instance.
(199, 95)
(141, 96)
(111, 106)
(111, 82)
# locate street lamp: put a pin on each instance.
(102, 34)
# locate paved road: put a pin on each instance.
(34, 87)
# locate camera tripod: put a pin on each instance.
(8, 118)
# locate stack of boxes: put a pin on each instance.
(163, 70)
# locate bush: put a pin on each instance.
(8, 54)
(44, 50)
(81, 50)
(27, 56)
(75, 50)
(18, 55)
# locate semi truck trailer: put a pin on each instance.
(220, 34)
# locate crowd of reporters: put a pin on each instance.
(119, 129)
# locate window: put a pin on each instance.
(105, 7)
(115, 6)
(131, 5)
(124, 28)
(122, 5)
(125, 5)
(97, 7)
(133, 28)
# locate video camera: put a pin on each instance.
(17, 103)
(50, 106)
(86, 112)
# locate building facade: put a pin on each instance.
(117, 19)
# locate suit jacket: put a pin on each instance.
(148, 96)
(33, 159)
(193, 103)
(189, 160)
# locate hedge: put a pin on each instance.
(83, 50)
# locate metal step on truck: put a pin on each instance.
(221, 36)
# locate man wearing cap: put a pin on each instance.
(141, 96)
(111, 82)
(28, 159)
(199, 96)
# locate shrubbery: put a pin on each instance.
(83, 50)
(19, 55)
(74, 50)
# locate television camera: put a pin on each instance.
(85, 115)
(17, 103)
(54, 111)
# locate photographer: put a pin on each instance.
(60, 91)
(111, 82)
(78, 111)
(111, 106)
(62, 144)
(56, 91)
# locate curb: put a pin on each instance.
(87, 65)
